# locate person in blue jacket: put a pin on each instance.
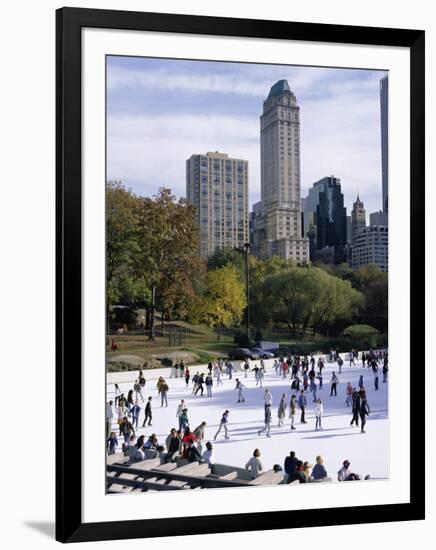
(319, 471)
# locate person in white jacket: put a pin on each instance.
(319, 411)
(254, 465)
(344, 471)
(208, 456)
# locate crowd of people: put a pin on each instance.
(305, 375)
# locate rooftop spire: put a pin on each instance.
(279, 88)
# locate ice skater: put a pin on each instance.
(349, 393)
(295, 383)
(385, 369)
(267, 398)
(363, 413)
(267, 427)
(209, 384)
(135, 412)
(218, 372)
(302, 403)
(240, 387)
(313, 389)
(148, 413)
(319, 411)
(200, 382)
(162, 389)
(184, 420)
(333, 384)
(292, 410)
(223, 425)
(246, 367)
(355, 409)
(281, 412)
(138, 390)
(180, 409)
(261, 375)
(340, 362)
(276, 367)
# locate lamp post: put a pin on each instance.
(245, 248)
(247, 286)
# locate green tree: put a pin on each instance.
(338, 300)
(227, 256)
(308, 297)
(121, 244)
(224, 300)
(260, 301)
(362, 334)
(376, 304)
(367, 275)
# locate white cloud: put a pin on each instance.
(255, 82)
(153, 150)
(340, 133)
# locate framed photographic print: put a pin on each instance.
(240, 230)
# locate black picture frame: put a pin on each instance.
(69, 22)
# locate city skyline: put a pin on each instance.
(188, 107)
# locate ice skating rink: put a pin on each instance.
(337, 441)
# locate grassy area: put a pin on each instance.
(203, 346)
(198, 340)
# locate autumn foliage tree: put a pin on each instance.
(224, 299)
(167, 237)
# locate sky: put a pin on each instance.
(161, 111)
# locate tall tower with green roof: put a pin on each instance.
(279, 230)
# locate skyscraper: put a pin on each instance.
(370, 246)
(378, 218)
(325, 219)
(218, 187)
(358, 218)
(331, 219)
(310, 204)
(349, 230)
(277, 228)
(384, 97)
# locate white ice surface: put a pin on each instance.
(368, 453)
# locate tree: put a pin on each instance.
(291, 296)
(121, 243)
(367, 275)
(337, 301)
(260, 307)
(359, 333)
(168, 241)
(303, 297)
(180, 287)
(376, 309)
(224, 300)
(226, 256)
